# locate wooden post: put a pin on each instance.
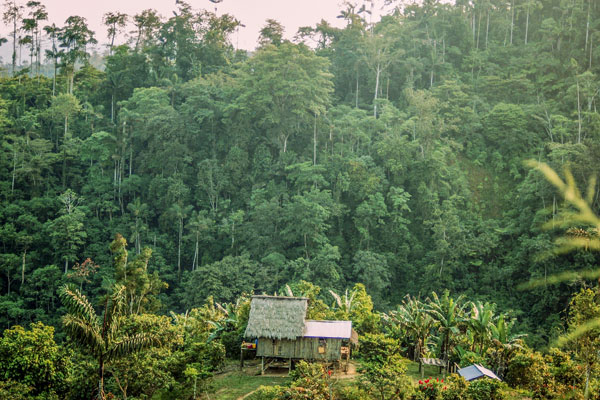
(241, 358)
(290, 367)
(262, 365)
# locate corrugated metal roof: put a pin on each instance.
(476, 371)
(328, 329)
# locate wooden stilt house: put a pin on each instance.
(280, 326)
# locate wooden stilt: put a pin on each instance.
(262, 365)
(241, 359)
(290, 367)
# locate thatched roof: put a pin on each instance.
(276, 317)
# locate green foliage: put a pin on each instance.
(386, 159)
(32, 363)
(486, 389)
(382, 368)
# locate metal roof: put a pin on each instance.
(476, 371)
(328, 329)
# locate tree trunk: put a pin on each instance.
(527, 25)
(179, 248)
(101, 394)
(591, 51)
(587, 25)
(315, 142)
(376, 89)
(586, 393)
(23, 267)
(54, 78)
(487, 28)
(356, 95)
(578, 114)
(14, 172)
(14, 54)
(195, 261)
(512, 20)
(112, 107)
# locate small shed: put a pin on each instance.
(476, 371)
(279, 324)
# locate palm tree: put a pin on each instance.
(480, 321)
(344, 303)
(412, 316)
(227, 321)
(449, 315)
(505, 341)
(101, 336)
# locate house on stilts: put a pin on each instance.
(282, 332)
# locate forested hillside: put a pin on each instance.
(387, 153)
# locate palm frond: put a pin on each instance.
(578, 332)
(337, 298)
(128, 345)
(77, 304)
(82, 332)
(288, 290)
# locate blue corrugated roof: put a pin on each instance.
(476, 371)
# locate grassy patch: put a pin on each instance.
(430, 371)
(235, 384)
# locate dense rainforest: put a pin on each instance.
(388, 153)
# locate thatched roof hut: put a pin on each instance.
(276, 317)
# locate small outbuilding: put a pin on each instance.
(476, 371)
(282, 331)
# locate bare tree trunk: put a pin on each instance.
(578, 114)
(179, 248)
(587, 25)
(23, 267)
(54, 79)
(14, 55)
(376, 89)
(591, 51)
(527, 25)
(194, 266)
(315, 142)
(487, 28)
(478, 30)
(14, 172)
(512, 20)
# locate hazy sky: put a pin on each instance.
(252, 13)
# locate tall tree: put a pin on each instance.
(67, 231)
(115, 22)
(11, 16)
(74, 38)
(101, 336)
(284, 88)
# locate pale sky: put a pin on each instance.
(292, 14)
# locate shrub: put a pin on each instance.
(382, 368)
(352, 393)
(266, 393)
(430, 389)
(527, 370)
(565, 371)
(456, 388)
(486, 389)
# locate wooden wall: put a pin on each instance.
(302, 348)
